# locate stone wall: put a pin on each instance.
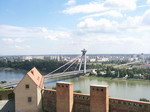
(7, 103)
(49, 100)
(81, 103)
(6, 94)
(64, 97)
(123, 105)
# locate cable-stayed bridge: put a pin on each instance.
(77, 71)
(57, 75)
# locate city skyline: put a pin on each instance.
(32, 27)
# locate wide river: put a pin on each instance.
(118, 88)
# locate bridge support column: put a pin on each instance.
(83, 58)
(99, 98)
(64, 97)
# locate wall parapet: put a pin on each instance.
(49, 100)
(83, 99)
(81, 102)
(49, 91)
(118, 105)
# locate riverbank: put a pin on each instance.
(118, 79)
(7, 69)
(18, 70)
(12, 69)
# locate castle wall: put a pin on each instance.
(6, 94)
(64, 97)
(99, 98)
(7, 103)
(124, 105)
(101, 102)
(81, 103)
(49, 100)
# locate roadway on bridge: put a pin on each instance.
(46, 77)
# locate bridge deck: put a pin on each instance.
(11, 84)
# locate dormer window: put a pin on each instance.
(27, 86)
(32, 72)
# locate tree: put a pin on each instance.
(1, 88)
(144, 99)
(78, 91)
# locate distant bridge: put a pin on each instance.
(80, 59)
(50, 76)
(53, 74)
(127, 64)
(70, 73)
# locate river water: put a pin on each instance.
(118, 88)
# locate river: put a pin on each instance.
(118, 88)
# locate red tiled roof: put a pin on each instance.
(35, 75)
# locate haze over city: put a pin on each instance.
(31, 27)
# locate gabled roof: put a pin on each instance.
(35, 75)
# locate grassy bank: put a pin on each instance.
(117, 79)
(5, 89)
(19, 70)
(7, 69)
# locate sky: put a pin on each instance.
(32, 27)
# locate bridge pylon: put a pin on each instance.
(83, 59)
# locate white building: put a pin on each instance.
(28, 97)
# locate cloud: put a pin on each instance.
(101, 25)
(102, 6)
(130, 35)
(18, 47)
(121, 4)
(10, 40)
(137, 23)
(70, 2)
(146, 18)
(112, 13)
(98, 35)
(86, 8)
(148, 2)
(54, 35)
(22, 47)
(129, 25)
(40, 32)
(99, 42)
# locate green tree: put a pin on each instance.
(144, 99)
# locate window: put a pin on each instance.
(29, 99)
(27, 86)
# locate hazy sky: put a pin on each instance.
(67, 26)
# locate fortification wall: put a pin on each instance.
(6, 94)
(49, 100)
(7, 103)
(124, 105)
(81, 103)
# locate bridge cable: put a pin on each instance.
(64, 65)
(77, 65)
(66, 68)
(70, 66)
